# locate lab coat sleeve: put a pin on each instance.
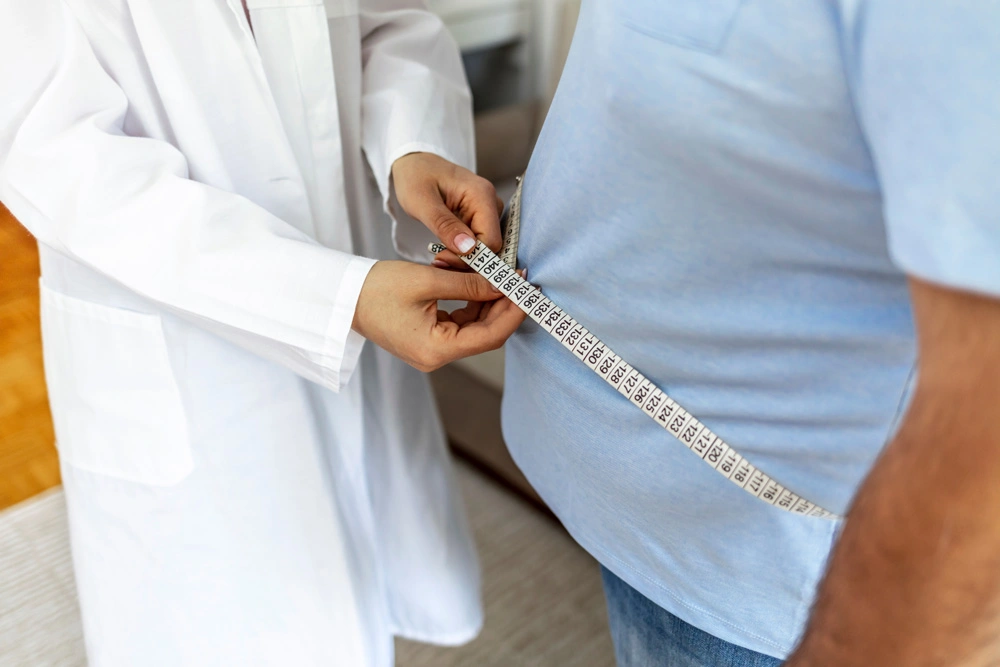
(415, 99)
(125, 206)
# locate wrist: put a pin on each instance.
(401, 164)
(367, 296)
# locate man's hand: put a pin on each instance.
(455, 204)
(915, 579)
(398, 311)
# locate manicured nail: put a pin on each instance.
(440, 264)
(465, 243)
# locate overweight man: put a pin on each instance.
(786, 213)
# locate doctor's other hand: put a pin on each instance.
(454, 203)
(398, 311)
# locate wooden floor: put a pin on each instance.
(28, 463)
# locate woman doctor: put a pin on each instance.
(247, 482)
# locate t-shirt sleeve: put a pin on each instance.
(926, 79)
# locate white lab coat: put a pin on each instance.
(205, 200)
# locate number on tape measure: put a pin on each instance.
(628, 381)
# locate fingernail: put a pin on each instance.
(465, 243)
(440, 264)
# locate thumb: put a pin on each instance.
(458, 286)
(427, 206)
(455, 234)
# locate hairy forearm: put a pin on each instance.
(915, 578)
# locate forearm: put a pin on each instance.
(915, 577)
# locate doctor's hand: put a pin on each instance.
(398, 311)
(454, 203)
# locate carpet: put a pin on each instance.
(544, 605)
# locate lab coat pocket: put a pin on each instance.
(115, 402)
(696, 24)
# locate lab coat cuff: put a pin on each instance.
(343, 344)
(410, 236)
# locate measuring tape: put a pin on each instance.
(629, 382)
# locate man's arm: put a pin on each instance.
(915, 579)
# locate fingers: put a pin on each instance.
(459, 238)
(487, 333)
(478, 327)
(446, 259)
(446, 205)
(454, 203)
(469, 199)
(398, 310)
(472, 311)
(486, 308)
(461, 286)
(485, 207)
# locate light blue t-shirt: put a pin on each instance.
(729, 193)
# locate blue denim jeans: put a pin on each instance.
(646, 635)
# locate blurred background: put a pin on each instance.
(544, 604)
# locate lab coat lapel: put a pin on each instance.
(218, 61)
(294, 49)
(236, 6)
